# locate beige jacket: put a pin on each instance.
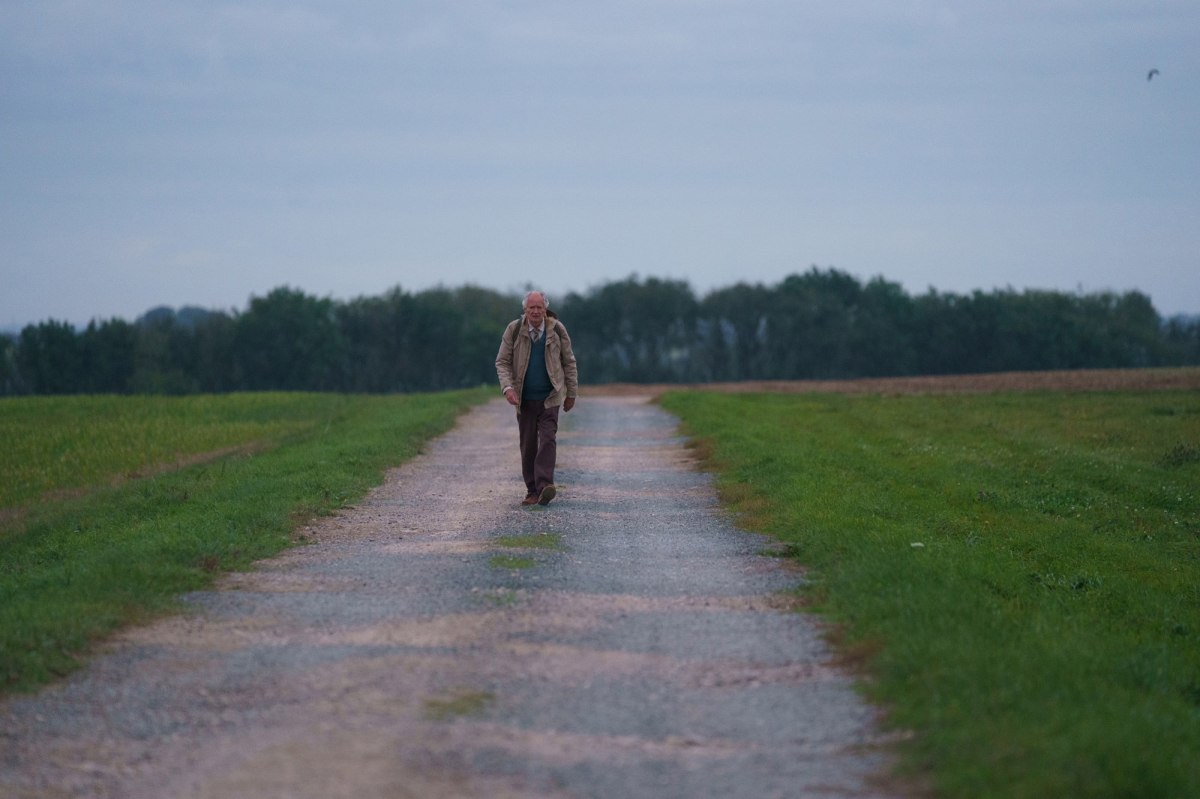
(513, 359)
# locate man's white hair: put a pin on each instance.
(525, 302)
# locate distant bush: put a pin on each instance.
(828, 324)
(819, 324)
(10, 382)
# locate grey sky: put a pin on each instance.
(160, 152)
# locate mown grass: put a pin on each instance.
(73, 570)
(511, 562)
(461, 702)
(1045, 639)
(52, 445)
(540, 541)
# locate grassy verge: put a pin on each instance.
(1018, 574)
(54, 446)
(73, 570)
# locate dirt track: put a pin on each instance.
(439, 641)
(1071, 380)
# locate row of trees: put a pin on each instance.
(828, 324)
(820, 324)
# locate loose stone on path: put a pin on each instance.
(427, 645)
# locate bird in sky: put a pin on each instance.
(1150, 75)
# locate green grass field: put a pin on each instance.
(1018, 575)
(76, 564)
(54, 445)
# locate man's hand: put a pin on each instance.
(511, 396)
(568, 404)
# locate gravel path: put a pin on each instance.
(410, 653)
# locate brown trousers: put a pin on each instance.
(538, 426)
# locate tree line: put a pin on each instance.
(819, 324)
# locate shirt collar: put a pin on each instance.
(539, 329)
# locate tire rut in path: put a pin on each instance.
(409, 652)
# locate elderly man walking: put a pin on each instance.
(536, 367)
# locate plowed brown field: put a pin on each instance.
(1070, 380)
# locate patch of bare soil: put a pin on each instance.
(181, 461)
(1067, 380)
(11, 518)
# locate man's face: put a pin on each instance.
(535, 309)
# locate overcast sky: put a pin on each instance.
(156, 152)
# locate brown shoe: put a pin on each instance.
(547, 494)
(530, 499)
